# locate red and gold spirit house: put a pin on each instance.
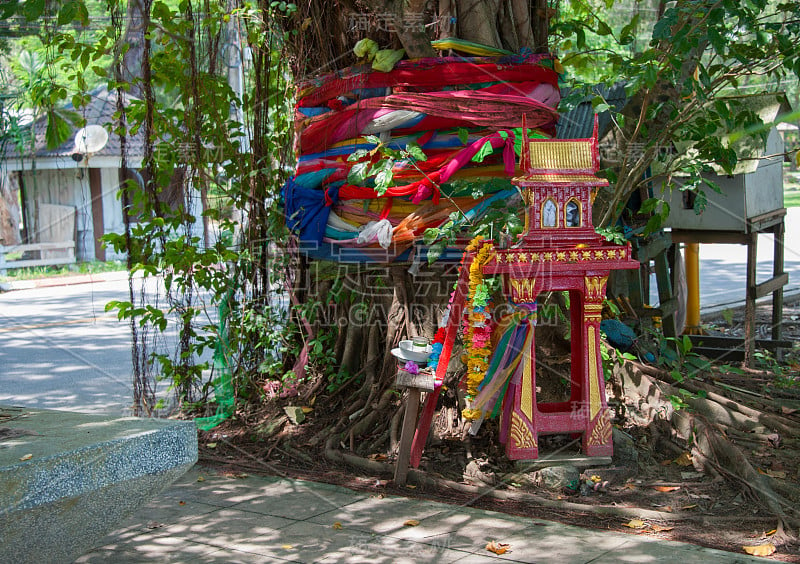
(559, 251)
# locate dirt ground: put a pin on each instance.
(712, 512)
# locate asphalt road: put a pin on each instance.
(723, 267)
(59, 348)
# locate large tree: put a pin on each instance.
(677, 69)
(681, 63)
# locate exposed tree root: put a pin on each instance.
(424, 479)
(702, 426)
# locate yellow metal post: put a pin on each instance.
(692, 259)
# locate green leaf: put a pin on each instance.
(650, 75)
(435, 251)
(357, 155)
(358, 173)
(700, 202)
(603, 28)
(383, 180)
(663, 27)
(580, 36)
(628, 32)
(649, 205)
(415, 151)
(67, 13)
(8, 9)
(33, 9)
(463, 135)
(653, 224)
(430, 235)
(58, 129)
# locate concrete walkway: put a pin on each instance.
(206, 517)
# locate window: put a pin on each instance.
(549, 213)
(572, 214)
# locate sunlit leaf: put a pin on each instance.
(415, 151)
(411, 523)
(760, 549)
(635, 524)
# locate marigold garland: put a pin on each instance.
(477, 325)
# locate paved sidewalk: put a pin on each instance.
(256, 519)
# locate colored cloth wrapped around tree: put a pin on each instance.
(455, 124)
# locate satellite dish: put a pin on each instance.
(90, 139)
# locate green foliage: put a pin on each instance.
(682, 74)
(611, 358)
(36, 272)
(196, 153)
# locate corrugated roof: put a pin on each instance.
(99, 111)
(578, 123)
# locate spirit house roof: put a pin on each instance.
(560, 162)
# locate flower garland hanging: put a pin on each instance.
(477, 325)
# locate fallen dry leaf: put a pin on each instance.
(411, 487)
(685, 459)
(377, 456)
(287, 546)
(660, 528)
(666, 462)
(497, 547)
(411, 523)
(201, 479)
(666, 488)
(181, 503)
(786, 410)
(760, 549)
(635, 524)
(772, 473)
(337, 525)
(685, 507)
(770, 533)
(26, 457)
(307, 409)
